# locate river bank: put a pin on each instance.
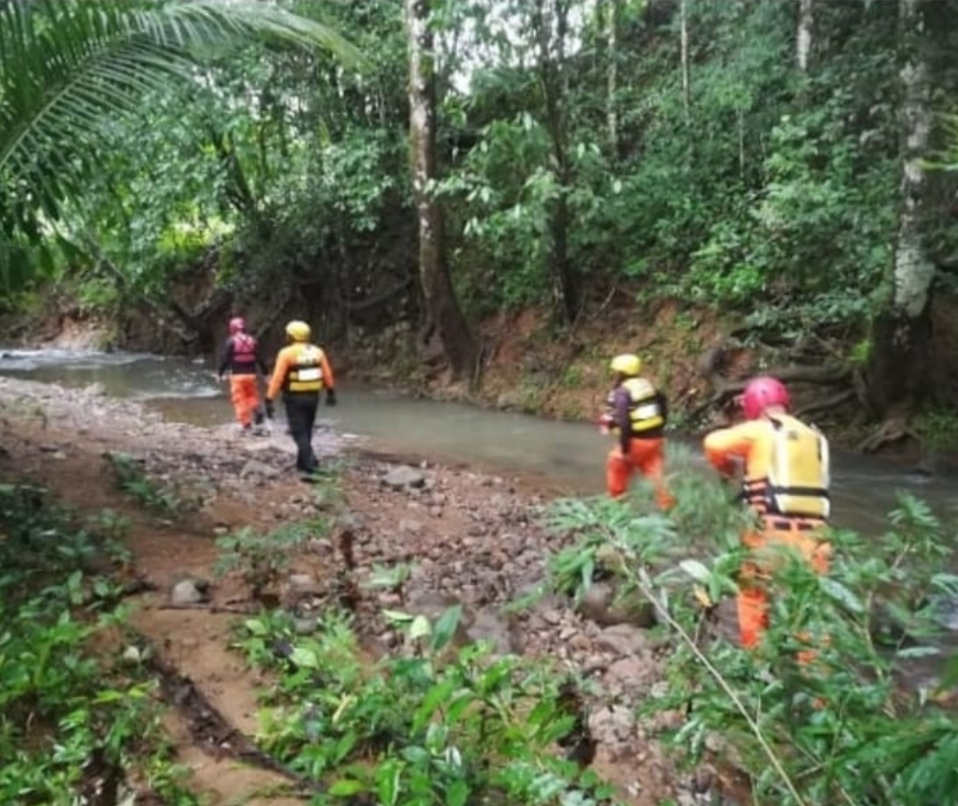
(530, 365)
(469, 538)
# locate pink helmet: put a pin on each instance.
(237, 325)
(762, 393)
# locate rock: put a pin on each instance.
(623, 639)
(410, 526)
(256, 468)
(566, 634)
(399, 477)
(132, 654)
(702, 780)
(303, 585)
(187, 592)
(49, 448)
(511, 399)
(495, 629)
(627, 670)
(612, 725)
(306, 625)
(601, 605)
(552, 617)
(594, 663)
(349, 521)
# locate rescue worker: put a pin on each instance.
(241, 358)
(785, 465)
(301, 372)
(636, 414)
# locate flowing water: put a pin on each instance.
(566, 456)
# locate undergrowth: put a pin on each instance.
(74, 727)
(841, 729)
(437, 723)
(163, 499)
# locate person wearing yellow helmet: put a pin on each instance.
(301, 373)
(636, 413)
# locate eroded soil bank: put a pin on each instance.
(470, 538)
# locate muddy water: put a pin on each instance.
(564, 456)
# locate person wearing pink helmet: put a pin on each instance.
(785, 481)
(241, 358)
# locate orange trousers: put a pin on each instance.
(244, 395)
(801, 536)
(646, 457)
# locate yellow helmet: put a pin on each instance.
(298, 331)
(627, 364)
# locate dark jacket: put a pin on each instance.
(241, 356)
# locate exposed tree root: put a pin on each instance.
(208, 728)
(828, 403)
(714, 361)
(893, 429)
(243, 610)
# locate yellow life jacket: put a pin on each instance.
(645, 410)
(306, 374)
(798, 470)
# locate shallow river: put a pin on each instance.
(566, 456)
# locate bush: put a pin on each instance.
(836, 729)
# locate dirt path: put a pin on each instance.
(470, 538)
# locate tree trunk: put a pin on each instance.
(897, 371)
(551, 29)
(803, 40)
(684, 41)
(439, 298)
(610, 21)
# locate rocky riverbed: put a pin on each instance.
(467, 538)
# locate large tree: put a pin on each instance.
(897, 371)
(442, 306)
(68, 66)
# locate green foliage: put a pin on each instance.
(60, 707)
(70, 66)
(438, 725)
(838, 729)
(164, 499)
(260, 559)
(938, 429)
(773, 193)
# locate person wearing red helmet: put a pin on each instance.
(785, 481)
(241, 358)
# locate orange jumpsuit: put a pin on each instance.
(241, 358)
(752, 442)
(636, 451)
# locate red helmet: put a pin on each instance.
(237, 325)
(762, 393)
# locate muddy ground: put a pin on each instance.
(471, 538)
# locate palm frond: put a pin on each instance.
(66, 66)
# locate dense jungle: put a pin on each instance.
(473, 203)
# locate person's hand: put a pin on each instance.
(331, 397)
(270, 409)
